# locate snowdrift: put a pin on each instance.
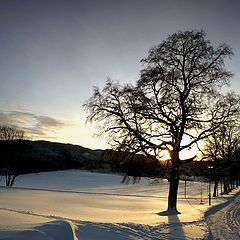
(55, 230)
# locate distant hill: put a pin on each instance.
(36, 156)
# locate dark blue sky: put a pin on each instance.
(53, 52)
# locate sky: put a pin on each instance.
(54, 51)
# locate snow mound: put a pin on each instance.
(55, 230)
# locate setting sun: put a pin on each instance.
(164, 155)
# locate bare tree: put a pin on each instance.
(221, 148)
(211, 153)
(10, 133)
(11, 146)
(175, 104)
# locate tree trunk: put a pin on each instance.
(226, 187)
(13, 178)
(215, 188)
(237, 183)
(7, 177)
(172, 196)
(173, 181)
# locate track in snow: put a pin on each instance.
(99, 193)
(224, 220)
(64, 228)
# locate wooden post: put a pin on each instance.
(209, 201)
(185, 189)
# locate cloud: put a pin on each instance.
(14, 105)
(23, 117)
(11, 119)
(46, 121)
(35, 126)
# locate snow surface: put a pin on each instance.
(82, 205)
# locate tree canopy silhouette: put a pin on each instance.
(175, 103)
(10, 149)
(222, 149)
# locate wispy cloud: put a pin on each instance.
(35, 126)
(14, 106)
(45, 127)
(46, 121)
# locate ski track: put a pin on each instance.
(83, 230)
(224, 220)
(87, 192)
(232, 221)
(100, 193)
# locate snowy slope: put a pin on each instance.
(86, 205)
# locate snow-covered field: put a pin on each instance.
(81, 205)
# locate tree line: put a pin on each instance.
(222, 150)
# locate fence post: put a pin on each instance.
(201, 194)
(209, 201)
(185, 189)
